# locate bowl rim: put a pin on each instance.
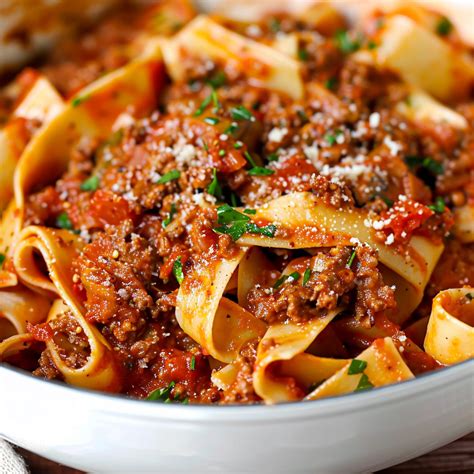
(340, 404)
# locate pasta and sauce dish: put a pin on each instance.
(199, 209)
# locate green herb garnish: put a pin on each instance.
(231, 128)
(90, 184)
(295, 276)
(371, 44)
(433, 166)
(79, 100)
(439, 205)
(241, 113)
(192, 365)
(215, 100)
(170, 176)
(211, 120)
(2, 259)
(236, 224)
(217, 80)
(214, 187)
(171, 214)
(306, 276)
(238, 145)
(357, 366)
(63, 222)
(330, 83)
(444, 27)
(164, 395)
(303, 55)
(228, 215)
(364, 383)
(161, 393)
(275, 25)
(178, 270)
(250, 211)
(345, 43)
(203, 105)
(331, 138)
(272, 157)
(257, 170)
(260, 171)
(351, 259)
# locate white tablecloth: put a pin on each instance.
(10, 461)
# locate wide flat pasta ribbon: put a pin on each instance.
(288, 342)
(91, 113)
(58, 248)
(101, 371)
(449, 339)
(308, 222)
(19, 306)
(384, 366)
(263, 65)
(41, 103)
(220, 326)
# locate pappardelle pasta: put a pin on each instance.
(211, 209)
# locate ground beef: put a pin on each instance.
(241, 390)
(332, 283)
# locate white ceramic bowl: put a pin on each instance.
(352, 433)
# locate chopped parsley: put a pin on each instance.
(345, 43)
(351, 259)
(2, 259)
(371, 44)
(330, 83)
(192, 365)
(221, 152)
(260, 171)
(238, 145)
(236, 224)
(79, 100)
(215, 100)
(272, 157)
(231, 128)
(439, 205)
(433, 166)
(214, 187)
(241, 113)
(217, 80)
(303, 55)
(203, 106)
(302, 115)
(171, 214)
(444, 27)
(257, 170)
(386, 200)
(364, 383)
(306, 276)
(275, 25)
(211, 120)
(331, 138)
(357, 367)
(90, 184)
(295, 276)
(178, 270)
(63, 222)
(250, 211)
(164, 395)
(170, 176)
